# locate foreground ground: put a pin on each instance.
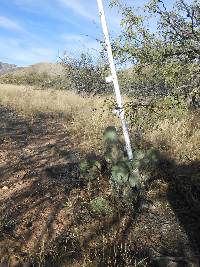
(45, 205)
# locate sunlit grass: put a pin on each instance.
(87, 117)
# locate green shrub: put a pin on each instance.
(85, 75)
(100, 206)
(164, 60)
(147, 114)
(152, 80)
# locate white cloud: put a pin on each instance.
(80, 26)
(15, 51)
(77, 43)
(89, 11)
(85, 9)
(10, 24)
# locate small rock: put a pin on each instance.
(14, 262)
(152, 208)
(5, 188)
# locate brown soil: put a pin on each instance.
(44, 206)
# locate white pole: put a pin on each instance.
(115, 80)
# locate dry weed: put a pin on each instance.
(87, 117)
(180, 139)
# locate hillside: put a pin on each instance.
(42, 75)
(53, 69)
(6, 68)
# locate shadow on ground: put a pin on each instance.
(45, 213)
(33, 192)
(184, 197)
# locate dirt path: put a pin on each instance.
(32, 194)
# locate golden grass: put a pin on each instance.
(85, 120)
(181, 139)
(84, 116)
(29, 101)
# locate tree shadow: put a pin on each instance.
(184, 197)
(38, 175)
(31, 143)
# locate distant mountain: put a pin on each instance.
(5, 68)
(51, 69)
(44, 74)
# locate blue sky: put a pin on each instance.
(33, 31)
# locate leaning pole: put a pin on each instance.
(113, 78)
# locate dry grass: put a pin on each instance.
(181, 139)
(86, 118)
(30, 102)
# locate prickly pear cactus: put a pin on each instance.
(145, 161)
(127, 177)
(122, 179)
(113, 146)
(90, 167)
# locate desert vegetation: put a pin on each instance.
(69, 195)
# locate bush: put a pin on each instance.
(100, 206)
(151, 80)
(85, 75)
(146, 114)
(163, 61)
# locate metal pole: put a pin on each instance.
(115, 80)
